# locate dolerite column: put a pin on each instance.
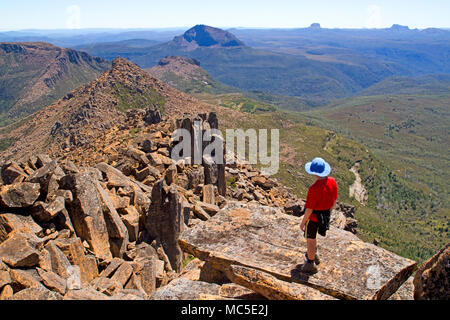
(221, 182)
(166, 219)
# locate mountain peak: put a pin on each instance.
(206, 36)
(315, 25)
(122, 64)
(178, 60)
(398, 27)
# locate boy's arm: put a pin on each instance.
(305, 218)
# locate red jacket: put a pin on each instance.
(321, 195)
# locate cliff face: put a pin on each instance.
(32, 75)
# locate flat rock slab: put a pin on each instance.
(265, 239)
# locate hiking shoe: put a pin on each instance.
(316, 259)
(308, 267)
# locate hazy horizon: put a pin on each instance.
(83, 30)
(284, 14)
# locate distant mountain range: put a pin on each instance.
(33, 75)
(315, 64)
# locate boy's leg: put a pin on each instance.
(310, 232)
(311, 248)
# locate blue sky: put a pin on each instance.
(61, 14)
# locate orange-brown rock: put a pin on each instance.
(17, 252)
(86, 212)
(432, 280)
(265, 239)
(74, 251)
(272, 288)
(16, 222)
(19, 195)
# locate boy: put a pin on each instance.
(320, 202)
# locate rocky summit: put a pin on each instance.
(93, 207)
(206, 36)
(138, 225)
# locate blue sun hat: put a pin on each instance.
(318, 167)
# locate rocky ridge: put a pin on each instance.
(99, 107)
(123, 228)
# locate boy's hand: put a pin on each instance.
(302, 225)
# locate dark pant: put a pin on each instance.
(321, 227)
(311, 228)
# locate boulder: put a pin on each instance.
(5, 278)
(47, 177)
(144, 275)
(74, 251)
(117, 231)
(42, 160)
(123, 273)
(13, 173)
(130, 218)
(211, 170)
(114, 177)
(152, 115)
(200, 213)
(44, 212)
(142, 251)
(208, 194)
(183, 289)
(166, 220)
(39, 293)
(210, 209)
(268, 240)
(53, 281)
(15, 222)
(6, 293)
(107, 286)
(432, 280)
(17, 252)
(59, 262)
(21, 279)
(263, 182)
(137, 155)
(88, 293)
(171, 174)
(69, 167)
(86, 212)
(19, 195)
(148, 146)
(405, 292)
(195, 176)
